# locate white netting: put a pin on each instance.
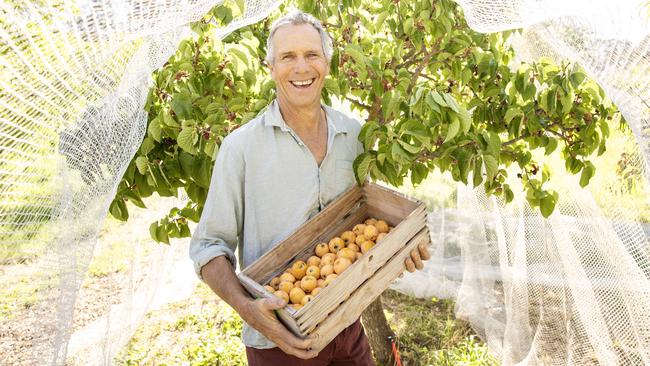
(74, 76)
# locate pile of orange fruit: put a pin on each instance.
(303, 280)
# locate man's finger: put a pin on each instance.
(298, 343)
(415, 256)
(408, 263)
(424, 252)
(273, 303)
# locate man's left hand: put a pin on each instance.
(417, 256)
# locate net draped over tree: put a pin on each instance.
(83, 132)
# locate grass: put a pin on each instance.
(201, 331)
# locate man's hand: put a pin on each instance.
(261, 316)
(417, 256)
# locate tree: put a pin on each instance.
(434, 93)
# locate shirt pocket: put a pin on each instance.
(344, 175)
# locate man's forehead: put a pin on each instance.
(295, 37)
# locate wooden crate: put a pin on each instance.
(342, 302)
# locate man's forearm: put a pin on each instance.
(221, 277)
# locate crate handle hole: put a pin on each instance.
(370, 258)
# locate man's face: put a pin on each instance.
(299, 65)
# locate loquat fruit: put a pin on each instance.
(326, 270)
(380, 236)
(347, 253)
(275, 282)
(358, 229)
(329, 279)
(296, 295)
(269, 288)
(360, 239)
(306, 299)
(285, 286)
(370, 221)
(348, 237)
(354, 248)
(316, 290)
(286, 276)
(322, 249)
(313, 261)
(298, 269)
(336, 244)
(382, 226)
(281, 294)
(328, 258)
(313, 271)
(341, 265)
(366, 246)
(370, 232)
(308, 283)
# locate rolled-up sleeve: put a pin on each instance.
(220, 227)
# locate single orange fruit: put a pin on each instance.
(313, 261)
(285, 286)
(308, 283)
(319, 283)
(322, 249)
(348, 237)
(313, 271)
(380, 236)
(360, 239)
(326, 270)
(370, 232)
(347, 253)
(306, 299)
(281, 294)
(354, 248)
(269, 288)
(298, 269)
(341, 265)
(316, 290)
(328, 258)
(370, 221)
(358, 229)
(275, 282)
(382, 226)
(296, 295)
(286, 276)
(366, 246)
(336, 244)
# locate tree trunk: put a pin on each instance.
(377, 329)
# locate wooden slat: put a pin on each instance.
(258, 292)
(318, 309)
(376, 193)
(349, 311)
(286, 250)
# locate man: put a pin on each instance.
(271, 176)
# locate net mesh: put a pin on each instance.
(568, 290)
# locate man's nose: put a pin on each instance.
(301, 65)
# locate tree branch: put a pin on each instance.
(421, 66)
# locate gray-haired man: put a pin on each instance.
(272, 175)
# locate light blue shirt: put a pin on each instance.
(265, 184)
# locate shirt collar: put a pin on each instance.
(273, 117)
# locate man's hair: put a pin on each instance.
(297, 17)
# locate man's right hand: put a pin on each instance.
(261, 316)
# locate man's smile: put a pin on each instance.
(302, 84)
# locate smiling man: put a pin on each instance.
(271, 176)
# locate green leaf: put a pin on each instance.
(182, 105)
(147, 146)
(361, 166)
(491, 166)
(494, 143)
(153, 230)
(408, 147)
(438, 98)
(577, 78)
(154, 129)
(547, 204)
(186, 139)
(454, 127)
(477, 176)
(419, 172)
(550, 146)
(587, 173)
(512, 113)
(142, 163)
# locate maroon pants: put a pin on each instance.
(349, 348)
